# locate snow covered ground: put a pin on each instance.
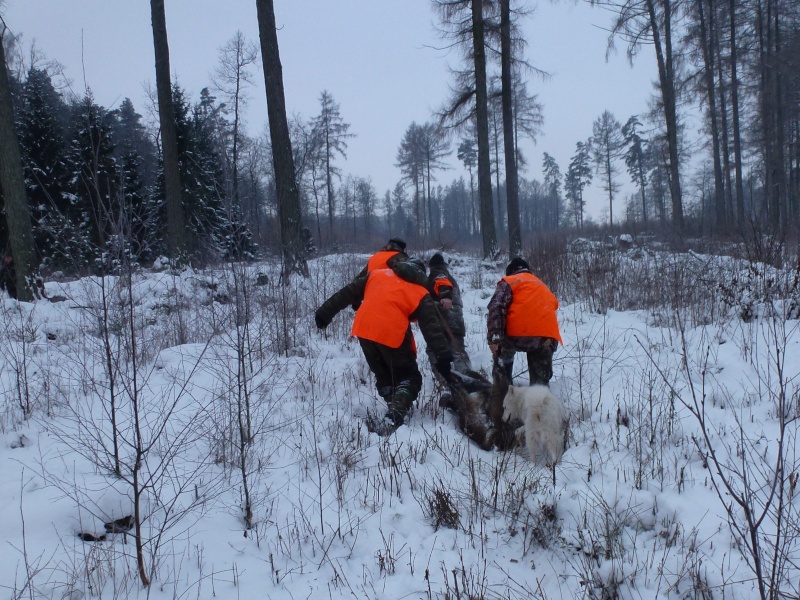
(190, 397)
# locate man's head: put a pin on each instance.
(516, 265)
(396, 243)
(417, 263)
(437, 260)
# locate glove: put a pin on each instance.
(443, 366)
(321, 323)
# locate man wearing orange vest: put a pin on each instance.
(383, 327)
(387, 257)
(522, 318)
(393, 253)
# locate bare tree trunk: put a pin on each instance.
(781, 194)
(610, 181)
(725, 137)
(329, 185)
(294, 259)
(771, 114)
(18, 216)
(706, 33)
(482, 126)
(737, 138)
(498, 205)
(666, 78)
(173, 191)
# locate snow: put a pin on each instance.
(339, 512)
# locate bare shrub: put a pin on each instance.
(439, 507)
(754, 480)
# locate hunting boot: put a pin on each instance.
(400, 403)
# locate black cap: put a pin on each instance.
(517, 264)
(399, 243)
(437, 260)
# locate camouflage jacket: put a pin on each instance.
(496, 324)
(455, 315)
(453, 292)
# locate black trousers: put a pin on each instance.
(395, 369)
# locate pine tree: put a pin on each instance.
(201, 176)
(552, 182)
(94, 183)
(579, 176)
(411, 163)
(331, 133)
(42, 133)
(607, 147)
(137, 160)
(223, 224)
(635, 158)
(131, 135)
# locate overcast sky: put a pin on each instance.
(380, 59)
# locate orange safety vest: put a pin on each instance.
(388, 301)
(532, 311)
(380, 260)
(438, 283)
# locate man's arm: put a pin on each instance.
(498, 309)
(430, 323)
(352, 292)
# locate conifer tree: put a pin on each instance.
(201, 176)
(42, 133)
(331, 133)
(131, 135)
(137, 162)
(552, 183)
(94, 179)
(607, 147)
(579, 175)
(635, 158)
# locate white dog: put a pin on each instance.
(542, 414)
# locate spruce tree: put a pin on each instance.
(131, 135)
(95, 184)
(42, 134)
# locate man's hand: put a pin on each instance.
(321, 323)
(443, 366)
(495, 348)
(446, 303)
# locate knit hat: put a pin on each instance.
(437, 260)
(398, 243)
(517, 264)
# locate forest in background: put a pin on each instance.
(95, 181)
